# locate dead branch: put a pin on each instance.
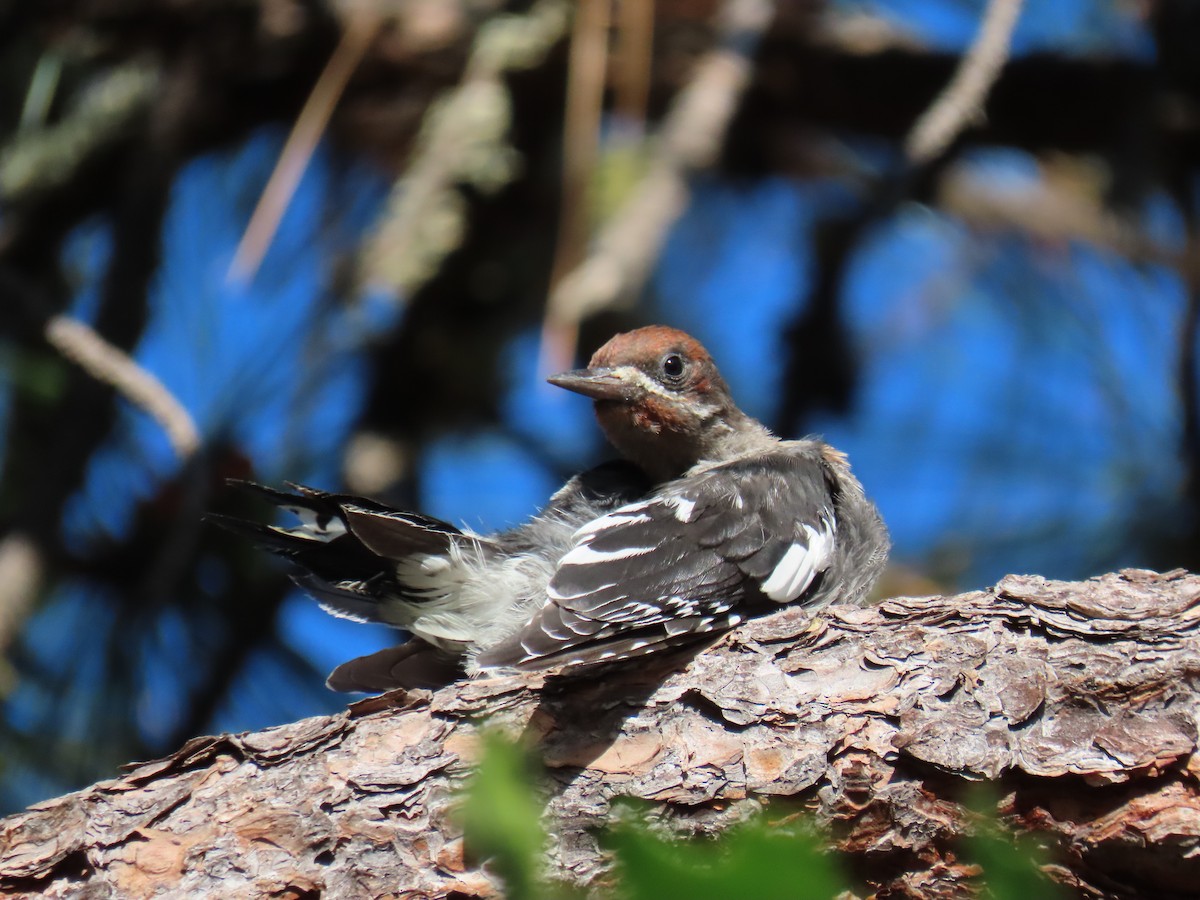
(78, 342)
(688, 141)
(302, 142)
(1079, 702)
(464, 140)
(963, 99)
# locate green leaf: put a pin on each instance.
(756, 860)
(1011, 863)
(41, 377)
(502, 818)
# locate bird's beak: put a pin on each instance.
(598, 383)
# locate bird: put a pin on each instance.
(706, 520)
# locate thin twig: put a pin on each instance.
(689, 140)
(962, 100)
(104, 362)
(301, 143)
(581, 139)
(45, 157)
(43, 85)
(21, 574)
(634, 57)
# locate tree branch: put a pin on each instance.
(78, 342)
(688, 141)
(1078, 700)
(964, 96)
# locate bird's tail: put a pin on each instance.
(413, 664)
(346, 549)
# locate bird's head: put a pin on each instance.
(659, 398)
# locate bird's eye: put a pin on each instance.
(672, 366)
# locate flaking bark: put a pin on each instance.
(1078, 701)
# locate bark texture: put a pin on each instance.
(1079, 701)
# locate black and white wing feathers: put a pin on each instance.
(694, 559)
(353, 554)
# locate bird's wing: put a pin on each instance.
(688, 561)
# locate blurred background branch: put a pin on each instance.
(582, 118)
(43, 156)
(462, 143)
(688, 141)
(360, 30)
(104, 362)
(963, 98)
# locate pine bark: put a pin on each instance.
(1077, 701)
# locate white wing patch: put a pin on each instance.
(626, 515)
(584, 554)
(559, 596)
(684, 508)
(794, 573)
